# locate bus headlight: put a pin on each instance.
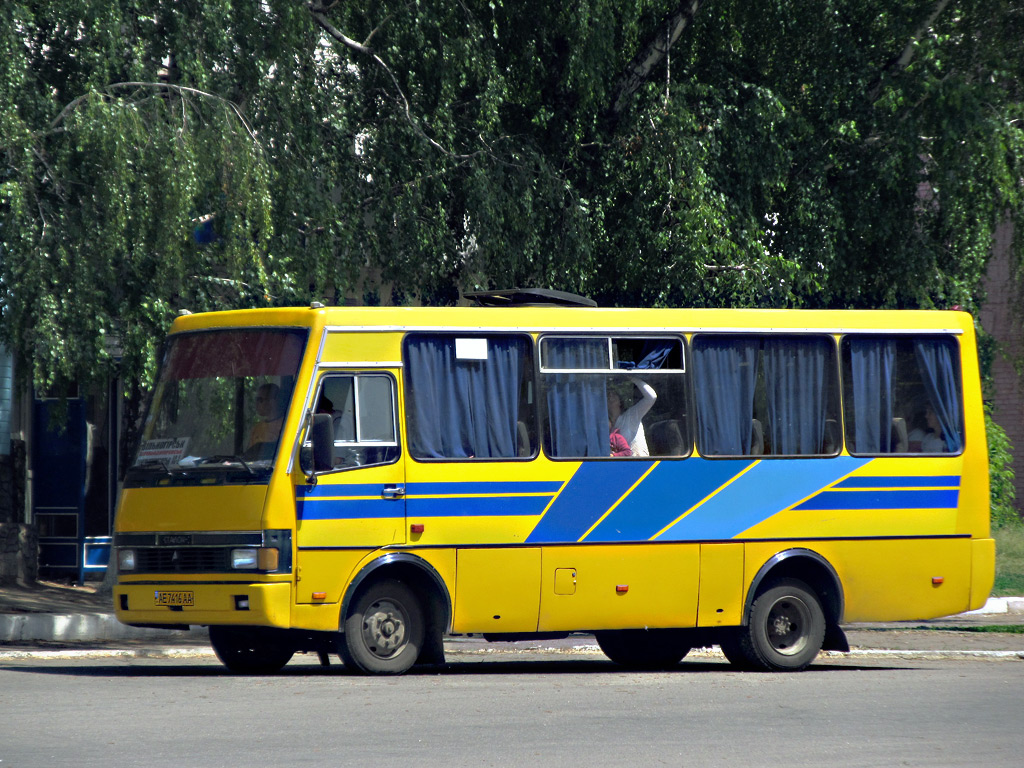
(244, 559)
(126, 559)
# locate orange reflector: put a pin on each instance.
(267, 558)
(622, 588)
(936, 580)
(319, 595)
(416, 527)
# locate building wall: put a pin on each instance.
(1000, 319)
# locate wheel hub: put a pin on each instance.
(786, 621)
(384, 628)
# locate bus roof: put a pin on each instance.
(580, 319)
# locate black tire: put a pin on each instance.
(384, 630)
(785, 631)
(648, 649)
(250, 650)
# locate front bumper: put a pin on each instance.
(259, 604)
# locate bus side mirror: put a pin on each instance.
(321, 435)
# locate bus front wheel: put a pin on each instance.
(249, 650)
(785, 631)
(644, 648)
(384, 630)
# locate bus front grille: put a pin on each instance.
(182, 560)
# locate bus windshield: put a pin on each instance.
(220, 402)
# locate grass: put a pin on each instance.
(1005, 629)
(1009, 561)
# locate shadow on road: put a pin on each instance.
(208, 668)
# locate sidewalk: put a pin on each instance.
(51, 614)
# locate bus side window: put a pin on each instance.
(468, 396)
(902, 394)
(614, 397)
(770, 395)
(362, 407)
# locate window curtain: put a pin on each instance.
(939, 372)
(724, 371)
(463, 408)
(794, 375)
(873, 371)
(577, 404)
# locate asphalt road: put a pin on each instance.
(505, 708)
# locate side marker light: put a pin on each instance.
(622, 588)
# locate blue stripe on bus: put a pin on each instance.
(841, 500)
(902, 481)
(481, 499)
(477, 506)
(767, 489)
(671, 489)
(482, 488)
(589, 494)
(349, 509)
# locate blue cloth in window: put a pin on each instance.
(577, 403)
(794, 376)
(939, 372)
(655, 353)
(873, 373)
(463, 408)
(724, 372)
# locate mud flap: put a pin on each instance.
(835, 639)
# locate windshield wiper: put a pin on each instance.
(226, 458)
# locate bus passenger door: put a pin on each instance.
(359, 505)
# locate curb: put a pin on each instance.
(81, 627)
(998, 605)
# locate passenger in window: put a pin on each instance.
(926, 437)
(629, 421)
(266, 430)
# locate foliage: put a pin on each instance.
(1009, 561)
(1001, 487)
(784, 153)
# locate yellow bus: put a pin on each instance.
(361, 481)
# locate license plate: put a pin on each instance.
(175, 598)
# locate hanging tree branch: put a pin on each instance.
(319, 13)
(902, 61)
(180, 89)
(639, 69)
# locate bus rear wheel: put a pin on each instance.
(647, 649)
(784, 633)
(384, 630)
(249, 650)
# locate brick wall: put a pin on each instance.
(999, 319)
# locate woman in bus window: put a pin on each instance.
(629, 422)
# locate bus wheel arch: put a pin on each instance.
(792, 611)
(425, 587)
(809, 567)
